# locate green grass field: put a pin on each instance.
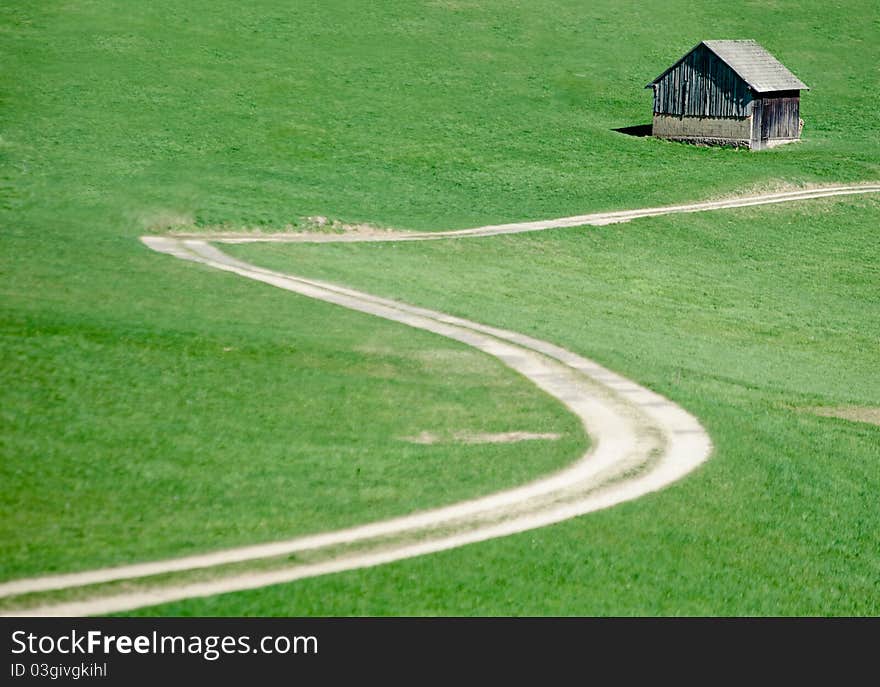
(151, 407)
(126, 442)
(749, 319)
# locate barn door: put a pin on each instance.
(767, 123)
(757, 124)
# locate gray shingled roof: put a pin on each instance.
(757, 67)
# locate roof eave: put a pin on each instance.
(675, 64)
(802, 87)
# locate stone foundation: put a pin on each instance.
(734, 131)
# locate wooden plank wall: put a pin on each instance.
(704, 86)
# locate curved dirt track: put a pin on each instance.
(596, 219)
(641, 442)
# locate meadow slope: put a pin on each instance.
(124, 374)
(751, 319)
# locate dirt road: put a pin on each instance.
(641, 442)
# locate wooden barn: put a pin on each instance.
(728, 93)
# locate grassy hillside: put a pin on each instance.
(128, 440)
(751, 319)
(121, 406)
